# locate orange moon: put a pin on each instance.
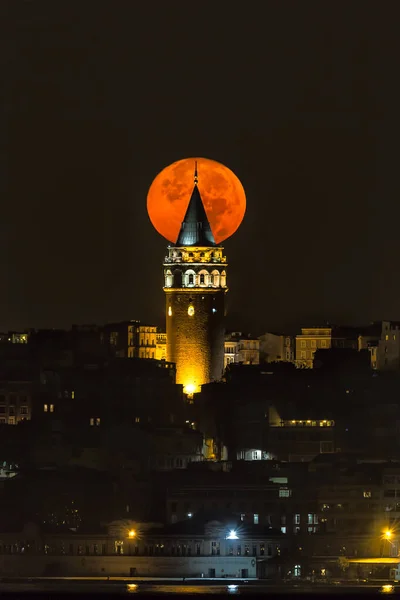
(222, 193)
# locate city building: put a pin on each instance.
(195, 287)
(161, 346)
(241, 348)
(131, 339)
(299, 438)
(17, 384)
(382, 339)
(312, 339)
(193, 549)
(13, 337)
(15, 402)
(276, 347)
(231, 351)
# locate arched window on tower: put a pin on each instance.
(204, 278)
(215, 278)
(168, 278)
(190, 278)
(178, 278)
(223, 279)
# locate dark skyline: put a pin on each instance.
(300, 100)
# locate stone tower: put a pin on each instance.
(195, 288)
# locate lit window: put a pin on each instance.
(137, 419)
(367, 494)
(285, 493)
(169, 311)
(72, 395)
(97, 421)
(297, 519)
(283, 529)
(191, 310)
(311, 529)
(119, 547)
(91, 422)
(45, 407)
(255, 518)
(242, 516)
(386, 337)
(51, 407)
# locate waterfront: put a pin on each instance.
(125, 586)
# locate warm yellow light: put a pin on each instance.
(387, 589)
(387, 534)
(191, 310)
(189, 389)
(132, 533)
(169, 311)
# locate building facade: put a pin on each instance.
(131, 339)
(312, 339)
(241, 348)
(382, 339)
(135, 550)
(276, 347)
(161, 346)
(195, 288)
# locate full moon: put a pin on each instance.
(221, 191)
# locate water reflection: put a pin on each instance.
(387, 589)
(182, 589)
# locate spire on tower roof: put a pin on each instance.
(195, 228)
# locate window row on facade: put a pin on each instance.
(192, 279)
(150, 548)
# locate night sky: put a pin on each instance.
(300, 100)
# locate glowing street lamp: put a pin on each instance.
(232, 535)
(131, 534)
(387, 534)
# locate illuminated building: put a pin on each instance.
(161, 346)
(195, 287)
(312, 339)
(382, 339)
(15, 402)
(241, 348)
(131, 339)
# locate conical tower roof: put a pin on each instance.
(195, 229)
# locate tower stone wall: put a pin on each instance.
(195, 288)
